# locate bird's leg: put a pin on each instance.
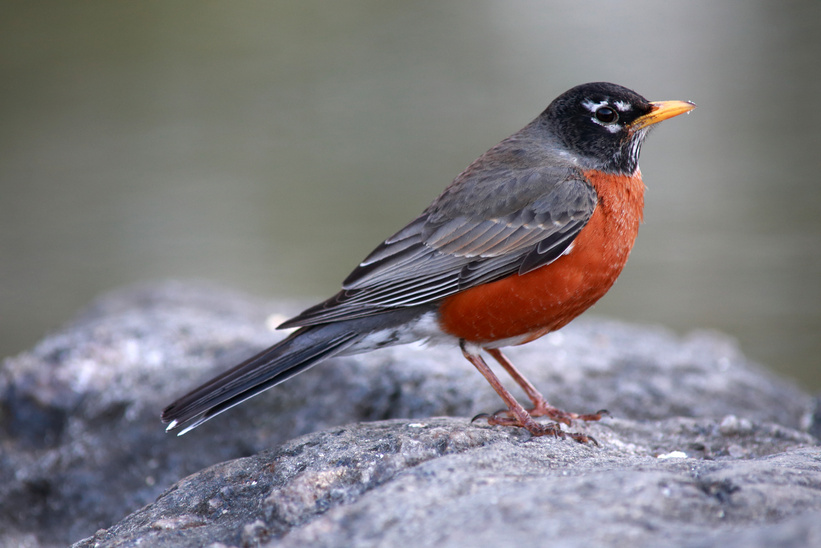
(540, 406)
(519, 416)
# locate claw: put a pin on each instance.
(481, 416)
(594, 416)
(583, 438)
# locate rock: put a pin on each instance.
(444, 482)
(82, 445)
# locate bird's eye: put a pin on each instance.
(606, 115)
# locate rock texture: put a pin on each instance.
(441, 482)
(705, 448)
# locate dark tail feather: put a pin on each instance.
(301, 350)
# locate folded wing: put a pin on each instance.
(445, 251)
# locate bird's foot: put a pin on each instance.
(554, 414)
(536, 429)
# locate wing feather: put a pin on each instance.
(445, 250)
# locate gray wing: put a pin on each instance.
(445, 251)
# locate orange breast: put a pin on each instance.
(549, 297)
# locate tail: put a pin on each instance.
(301, 350)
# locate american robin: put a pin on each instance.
(528, 237)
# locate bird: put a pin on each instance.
(529, 236)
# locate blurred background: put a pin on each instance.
(269, 146)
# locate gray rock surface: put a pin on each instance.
(82, 445)
(442, 482)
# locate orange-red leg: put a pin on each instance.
(540, 406)
(518, 415)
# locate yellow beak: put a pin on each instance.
(662, 110)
